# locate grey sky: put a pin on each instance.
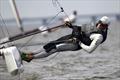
(45, 8)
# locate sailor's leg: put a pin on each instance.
(56, 48)
(47, 50)
(67, 47)
(44, 54)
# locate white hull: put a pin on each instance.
(13, 60)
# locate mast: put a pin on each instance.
(16, 15)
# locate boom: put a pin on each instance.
(26, 34)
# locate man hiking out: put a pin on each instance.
(86, 37)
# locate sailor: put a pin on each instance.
(86, 37)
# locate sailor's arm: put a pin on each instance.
(96, 41)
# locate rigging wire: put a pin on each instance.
(1, 26)
(7, 31)
(27, 41)
(57, 3)
(8, 34)
(51, 20)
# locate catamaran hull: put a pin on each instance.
(13, 60)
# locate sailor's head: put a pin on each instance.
(103, 23)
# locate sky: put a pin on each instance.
(46, 8)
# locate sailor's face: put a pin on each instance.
(101, 26)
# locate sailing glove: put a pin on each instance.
(68, 24)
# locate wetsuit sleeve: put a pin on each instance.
(96, 41)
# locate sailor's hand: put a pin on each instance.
(68, 24)
(75, 40)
